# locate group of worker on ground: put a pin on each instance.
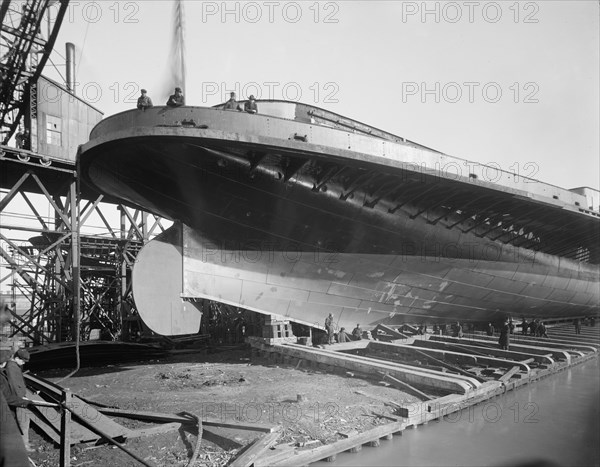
(588, 321)
(535, 328)
(177, 100)
(341, 336)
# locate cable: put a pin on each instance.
(82, 46)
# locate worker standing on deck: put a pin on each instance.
(329, 328)
(577, 323)
(144, 102)
(177, 99)
(232, 104)
(504, 339)
(342, 336)
(490, 329)
(357, 332)
(250, 106)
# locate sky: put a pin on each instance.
(510, 83)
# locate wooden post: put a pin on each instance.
(65, 430)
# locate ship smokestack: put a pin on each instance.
(70, 66)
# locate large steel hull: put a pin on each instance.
(286, 217)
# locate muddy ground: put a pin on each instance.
(312, 407)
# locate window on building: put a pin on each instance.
(53, 130)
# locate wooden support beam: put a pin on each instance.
(161, 417)
(509, 374)
(48, 429)
(274, 455)
(247, 457)
(108, 438)
(393, 418)
(155, 430)
(407, 387)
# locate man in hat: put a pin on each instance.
(250, 105)
(12, 448)
(357, 332)
(177, 99)
(329, 328)
(144, 102)
(504, 339)
(15, 392)
(15, 378)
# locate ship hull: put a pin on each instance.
(300, 229)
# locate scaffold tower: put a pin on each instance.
(66, 252)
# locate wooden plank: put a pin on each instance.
(112, 441)
(161, 417)
(256, 449)
(99, 421)
(48, 429)
(385, 400)
(51, 418)
(274, 455)
(509, 374)
(407, 387)
(393, 418)
(155, 430)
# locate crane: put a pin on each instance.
(29, 31)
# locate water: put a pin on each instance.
(553, 422)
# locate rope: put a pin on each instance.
(198, 441)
